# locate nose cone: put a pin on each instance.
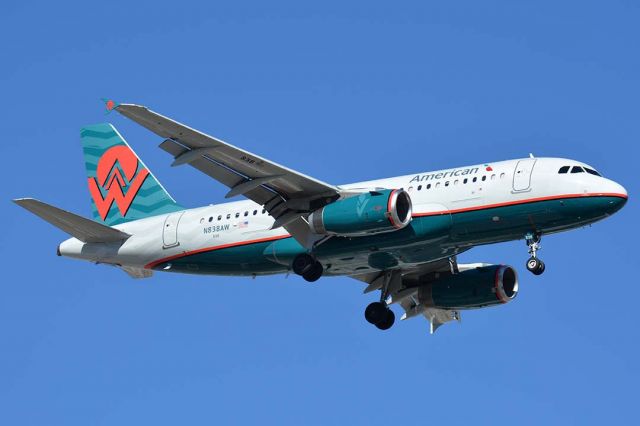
(616, 195)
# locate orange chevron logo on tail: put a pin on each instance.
(110, 178)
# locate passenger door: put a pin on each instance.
(170, 230)
(522, 175)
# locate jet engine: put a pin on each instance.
(474, 288)
(368, 213)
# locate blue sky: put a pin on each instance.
(343, 91)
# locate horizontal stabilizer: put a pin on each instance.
(85, 230)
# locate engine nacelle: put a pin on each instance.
(475, 288)
(368, 213)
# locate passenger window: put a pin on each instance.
(577, 169)
(437, 184)
(592, 172)
(493, 177)
(264, 210)
(446, 183)
(211, 219)
(228, 215)
(428, 186)
(255, 212)
(455, 182)
(246, 213)
(237, 215)
(475, 179)
(502, 175)
(465, 180)
(419, 187)
(484, 178)
(219, 217)
(563, 169)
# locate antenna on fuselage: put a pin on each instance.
(531, 155)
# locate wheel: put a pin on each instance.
(540, 269)
(302, 263)
(388, 320)
(314, 272)
(533, 265)
(376, 312)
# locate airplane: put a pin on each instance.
(400, 236)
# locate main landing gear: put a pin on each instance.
(534, 265)
(378, 313)
(307, 266)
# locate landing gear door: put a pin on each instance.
(522, 175)
(170, 230)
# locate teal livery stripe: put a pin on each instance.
(220, 247)
(100, 134)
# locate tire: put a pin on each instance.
(388, 320)
(375, 312)
(302, 263)
(314, 272)
(533, 265)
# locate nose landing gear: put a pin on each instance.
(534, 265)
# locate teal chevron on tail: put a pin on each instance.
(121, 186)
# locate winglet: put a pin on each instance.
(110, 105)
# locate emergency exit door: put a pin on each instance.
(170, 230)
(522, 175)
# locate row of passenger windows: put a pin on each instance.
(577, 169)
(464, 181)
(237, 215)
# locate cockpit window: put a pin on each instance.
(592, 172)
(564, 169)
(577, 169)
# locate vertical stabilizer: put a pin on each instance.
(121, 186)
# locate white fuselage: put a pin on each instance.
(455, 190)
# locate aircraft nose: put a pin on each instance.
(617, 196)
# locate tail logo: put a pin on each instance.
(118, 177)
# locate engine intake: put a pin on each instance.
(369, 213)
(475, 288)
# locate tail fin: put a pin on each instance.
(122, 188)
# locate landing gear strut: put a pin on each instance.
(378, 313)
(308, 267)
(534, 265)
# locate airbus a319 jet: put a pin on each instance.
(400, 235)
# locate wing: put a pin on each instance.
(287, 195)
(404, 290)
